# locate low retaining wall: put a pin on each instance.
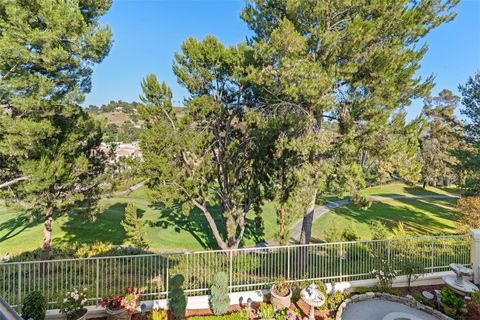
(202, 302)
(388, 297)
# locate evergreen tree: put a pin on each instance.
(469, 155)
(49, 146)
(205, 159)
(133, 226)
(347, 66)
(440, 139)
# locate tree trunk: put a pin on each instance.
(281, 222)
(47, 233)
(306, 234)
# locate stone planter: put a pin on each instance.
(118, 314)
(280, 302)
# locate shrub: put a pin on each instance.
(449, 298)
(468, 213)
(360, 201)
(379, 230)
(178, 300)
(265, 311)
(133, 226)
(220, 300)
(34, 306)
(335, 299)
(412, 269)
(350, 234)
(385, 273)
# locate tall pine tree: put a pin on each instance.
(49, 146)
(351, 63)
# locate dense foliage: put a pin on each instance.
(34, 306)
(49, 146)
(133, 226)
(220, 300)
(177, 300)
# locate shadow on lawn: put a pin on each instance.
(17, 225)
(106, 227)
(414, 220)
(195, 223)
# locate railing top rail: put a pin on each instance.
(251, 249)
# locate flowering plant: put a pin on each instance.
(385, 273)
(73, 302)
(130, 300)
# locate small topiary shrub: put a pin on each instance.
(34, 306)
(220, 300)
(178, 300)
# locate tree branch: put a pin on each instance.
(9, 183)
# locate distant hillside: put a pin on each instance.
(122, 121)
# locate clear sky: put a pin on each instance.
(147, 33)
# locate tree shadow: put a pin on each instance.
(414, 220)
(195, 223)
(106, 227)
(17, 225)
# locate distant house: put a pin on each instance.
(126, 150)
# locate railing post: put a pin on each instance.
(341, 261)
(389, 252)
(288, 262)
(97, 282)
(475, 254)
(167, 276)
(19, 284)
(231, 270)
(433, 255)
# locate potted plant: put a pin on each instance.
(121, 307)
(73, 305)
(281, 294)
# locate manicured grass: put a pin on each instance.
(420, 217)
(167, 230)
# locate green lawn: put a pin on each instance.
(165, 231)
(168, 231)
(420, 216)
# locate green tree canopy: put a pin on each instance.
(469, 156)
(352, 64)
(206, 159)
(49, 157)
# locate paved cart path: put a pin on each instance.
(296, 229)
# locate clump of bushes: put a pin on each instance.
(34, 306)
(220, 300)
(265, 311)
(360, 201)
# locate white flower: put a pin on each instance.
(65, 300)
(83, 301)
(72, 294)
(84, 289)
(75, 297)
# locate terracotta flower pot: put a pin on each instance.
(119, 314)
(280, 302)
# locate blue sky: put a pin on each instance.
(147, 33)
